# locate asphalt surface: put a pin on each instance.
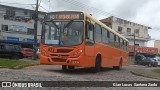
(54, 73)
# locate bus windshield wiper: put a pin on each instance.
(68, 24)
(54, 24)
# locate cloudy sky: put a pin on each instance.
(146, 12)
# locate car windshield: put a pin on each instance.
(149, 58)
(66, 33)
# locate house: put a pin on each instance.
(17, 26)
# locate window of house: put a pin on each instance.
(5, 27)
(129, 30)
(119, 29)
(137, 31)
(10, 12)
(30, 31)
(25, 12)
(136, 44)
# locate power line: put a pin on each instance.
(44, 8)
(17, 3)
(95, 10)
(39, 2)
(49, 4)
(90, 8)
(82, 6)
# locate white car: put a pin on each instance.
(158, 61)
(38, 52)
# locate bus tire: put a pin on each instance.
(64, 67)
(97, 65)
(118, 67)
(71, 67)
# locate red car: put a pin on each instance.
(27, 52)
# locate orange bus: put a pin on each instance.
(76, 39)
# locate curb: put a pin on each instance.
(144, 75)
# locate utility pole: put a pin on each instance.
(35, 31)
(134, 47)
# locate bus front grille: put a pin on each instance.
(64, 50)
(59, 59)
(59, 55)
(52, 50)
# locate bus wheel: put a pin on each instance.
(118, 67)
(71, 67)
(64, 67)
(97, 65)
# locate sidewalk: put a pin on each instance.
(144, 71)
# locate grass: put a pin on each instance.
(156, 70)
(14, 64)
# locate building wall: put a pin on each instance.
(21, 28)
(140, 42)
(143, 31)
(157, 45)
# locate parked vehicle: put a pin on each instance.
(38, 52)
(140, 59)
(10, 51)
(27, 52)
(149, 61)
(158, 61)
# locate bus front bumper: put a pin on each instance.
(81, 61)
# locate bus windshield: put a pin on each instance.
(62, 33)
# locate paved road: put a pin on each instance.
(54, 73)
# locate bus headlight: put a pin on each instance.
(77, 53)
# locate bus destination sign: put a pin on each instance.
(67, 16)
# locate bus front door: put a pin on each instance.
(89, 44)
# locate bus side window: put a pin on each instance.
(115, 40)
(126, 46)
(119, 43)
(123, 45)
(89, 32)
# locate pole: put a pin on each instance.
(134, 47)
(35, 32)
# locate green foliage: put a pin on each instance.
(158, 54)
(156, 70)
(11, 63)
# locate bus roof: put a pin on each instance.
(96, 21)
